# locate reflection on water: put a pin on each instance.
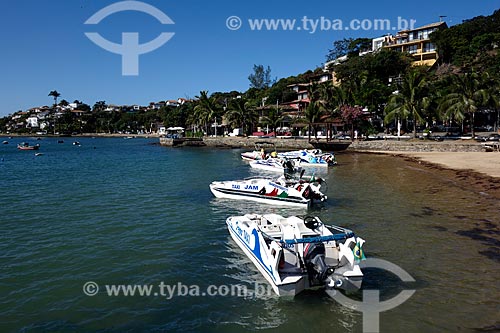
(128, 212)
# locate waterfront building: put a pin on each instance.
(414, 41)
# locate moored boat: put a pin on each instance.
(313, 157)
(280, 165)
(295, 253)
(26, 146)
(269, 191)
(259, 152)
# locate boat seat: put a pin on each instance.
(331, 256)
(291, 263)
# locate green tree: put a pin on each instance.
(464, 44)
(468, 94)
(206, 110)
(241, 113)
(55, 94)
(350, 115)
(99, 106)
(407, 102)
(315, 109)
(261, 77)
(340, 49)
(272, 119)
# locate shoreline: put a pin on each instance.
(478, 172)
(84, 135)
(460, 155)
(487, 163)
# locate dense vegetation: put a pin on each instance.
(376, 92)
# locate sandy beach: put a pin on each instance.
(477, 171)
(487, 163)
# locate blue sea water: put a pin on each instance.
(130, 212)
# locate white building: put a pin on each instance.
(32, 122)
(378, 43)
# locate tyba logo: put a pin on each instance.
(130, 49)
(371, 306)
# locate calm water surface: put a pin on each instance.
(117, 211)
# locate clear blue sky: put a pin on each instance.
(44, 46)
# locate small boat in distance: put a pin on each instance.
(26, 146)
(298, 253)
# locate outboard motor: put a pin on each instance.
(289, 167)
(314, 259)
(311, 192)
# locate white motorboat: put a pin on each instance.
(259, 152)
(295, 253)
(253, 155)
(313, 157)
(280, 165)
(281, 191)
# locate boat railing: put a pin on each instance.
(337, 228)
(345, 234)
(319, 239)
(259, 177)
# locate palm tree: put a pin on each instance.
(55, 94)
(313, 116)
(408, 101)
(318, 103)
(206, 109)
(241, 113)
(493, 98)
(494, 102)
(272, 119)
(465, 99)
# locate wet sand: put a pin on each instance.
(479, 170)
(486, 163)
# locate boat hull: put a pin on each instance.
(291, 289)
(275, 165)
(227, 190)
(293, 257)
(28, 148)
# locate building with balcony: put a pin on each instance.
(415, 41)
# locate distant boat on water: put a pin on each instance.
(26, 146)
